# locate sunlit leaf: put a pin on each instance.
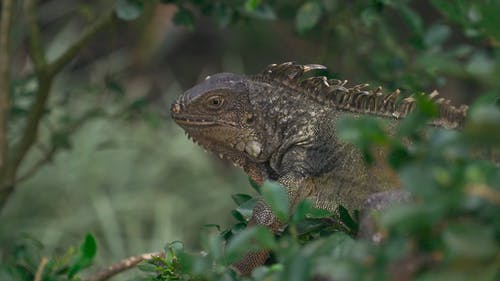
(303, 208)
(262, 12)
(240, 198)
(84, 256)
(246, 209)
(129, 9)
(251, 5)
(436, 35)
(308, 16)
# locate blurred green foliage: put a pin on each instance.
(122, 172)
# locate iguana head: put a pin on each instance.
(217, 115)
(255, 120)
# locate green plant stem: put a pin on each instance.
(36, 49)
(7, 9)
(56, 66)
(49, 154)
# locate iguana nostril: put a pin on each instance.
(176, 108)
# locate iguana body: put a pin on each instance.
(279, 126)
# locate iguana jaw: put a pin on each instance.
(225, 138)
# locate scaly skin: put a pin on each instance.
(278, 126)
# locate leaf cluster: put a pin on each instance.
(26, 263)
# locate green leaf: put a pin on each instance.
(414, 21)
(490, 21)
(212, 242)
(223, 14)
(452, 9)
(263, 12)
(212, 225)
(480, 64)
(426, 110)
(251, 5)
(308, 16)
(185, 18)
(408, 218)
(240, 198)
(145, 266)
(238, 216)
(246, 209)
(483, 120)
(129, 9)
(470, 240)
(298, 268)
(254, 185)
(251, 239)
(398, 155)
(317, 213)
(139, 103)
(346, 218)
(362, 131)
(436, 35)
(276, 197)
(17, 111)
(303, 208)
(84, 257)
(114, 86)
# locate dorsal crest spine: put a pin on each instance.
(358, 98)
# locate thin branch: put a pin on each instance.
(122, 266)
(73, 50)
(39, 164)
(7, 9)
(49, 154)
(36, 49)
(39, 270)
(31, 129)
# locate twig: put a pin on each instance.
(49, 154)
(35, 167)
(7, 8)
(73, 50)
(122, 266)
(39, 270)
(36, 49)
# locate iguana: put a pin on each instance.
(280, 125)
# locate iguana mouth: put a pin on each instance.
(191, 121)
(197, 121)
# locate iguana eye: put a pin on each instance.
(215, 102)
